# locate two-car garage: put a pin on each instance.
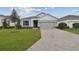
(47, 24)
(47, 21)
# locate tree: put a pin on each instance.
(18, 24)
(5, 25)
(62, 25)
(76, 25)
(14, 17)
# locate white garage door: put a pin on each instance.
(47, 25)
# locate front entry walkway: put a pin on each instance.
(56, 40)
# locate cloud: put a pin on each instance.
(52, 7)
(49, 7)
(75, 12)
(28, 9)
(45, 8)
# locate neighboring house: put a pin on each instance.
(69, 20)
(2, 18)
(42, 20)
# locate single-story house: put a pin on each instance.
(69, 20)
(42, 20)
(2, 18)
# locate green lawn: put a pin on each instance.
(18, 40)
(72, 30)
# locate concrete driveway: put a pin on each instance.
(56, 40)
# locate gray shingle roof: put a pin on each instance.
(2, 16)
(30, 17)
(38, 16)
(46, 14)
(69, 17)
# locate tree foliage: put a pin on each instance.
(15, 18)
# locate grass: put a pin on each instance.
(18, 40)
(72, 30)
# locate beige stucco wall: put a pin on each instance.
(48, 19)
(1, 20)
(69, 22)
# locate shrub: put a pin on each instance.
(5, 25)
(18, 26)
(76, 25)
(62, 26)
(26, 27)
(10, 27)
(1, 27)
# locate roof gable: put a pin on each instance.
(42, 14)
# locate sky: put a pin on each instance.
(31, 11)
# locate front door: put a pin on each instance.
(35, 23)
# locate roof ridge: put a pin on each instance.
(69, 17)
(47, 14)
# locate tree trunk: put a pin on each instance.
(15, 25)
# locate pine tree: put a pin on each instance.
(14, 17)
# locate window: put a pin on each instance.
(25, 22)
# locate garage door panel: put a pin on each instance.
(47, 25)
